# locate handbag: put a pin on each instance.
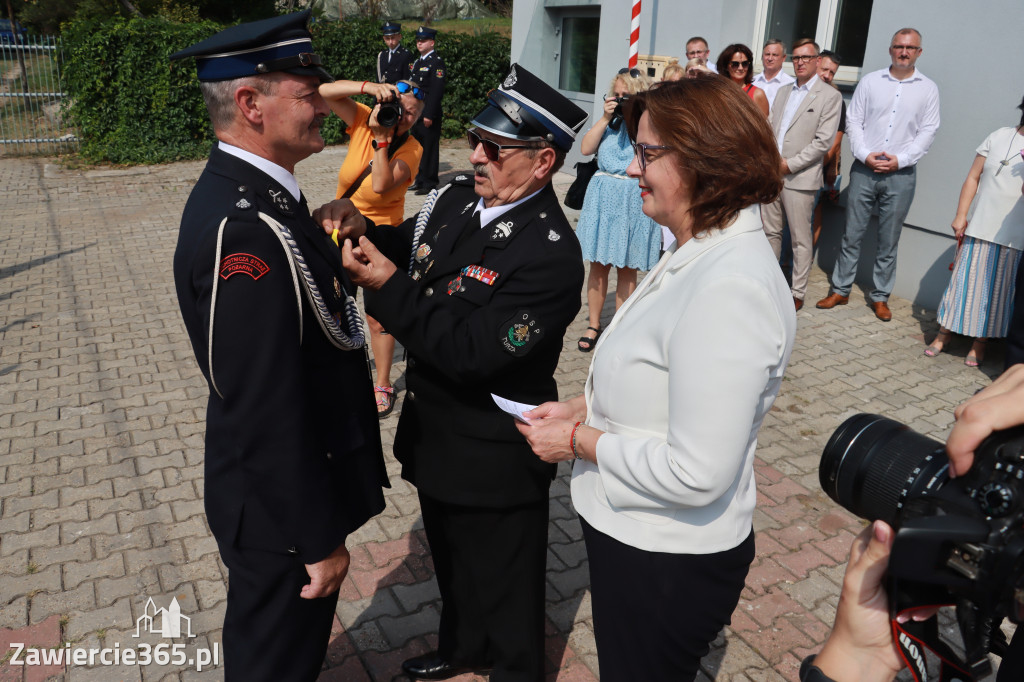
(578, 189)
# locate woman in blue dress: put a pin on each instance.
(612, 227)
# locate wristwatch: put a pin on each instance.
(378, 145)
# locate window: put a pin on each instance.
(837, 25)
(578, 56)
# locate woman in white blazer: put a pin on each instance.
(664, 435)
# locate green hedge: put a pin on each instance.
(132, 105)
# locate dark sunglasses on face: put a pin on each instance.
(404, 87)
(739, 65)
(492, 150)
(633, 73)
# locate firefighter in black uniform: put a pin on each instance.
(293, 458)
(493, 280)
(428, 71)
(393, 64)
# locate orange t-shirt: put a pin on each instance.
(383, 209)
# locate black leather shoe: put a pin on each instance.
(413, 187)
(423, 190)
(432, 667)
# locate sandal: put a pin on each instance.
(938, 343)
(976, 355)
(385, 396)
(586, 344)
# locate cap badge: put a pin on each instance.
(510, 79)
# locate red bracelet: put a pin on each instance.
(362, 90)
(572, 440)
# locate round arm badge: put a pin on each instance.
(520, 333)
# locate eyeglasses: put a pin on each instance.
(803, 59)
(909, 48)
(739, 65)
(633, 73)
(640, 150)
(404, 86)
(492, 150)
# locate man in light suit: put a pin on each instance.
(804, 117)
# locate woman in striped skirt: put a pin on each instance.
(979, 298)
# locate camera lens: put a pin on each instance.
(389, 114)
(871, 465)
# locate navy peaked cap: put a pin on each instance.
(527, 108)
(425, 33)
(258, 47)
(390, 28)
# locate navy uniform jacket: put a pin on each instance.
(429, 73)
(293, 452)
(395, 70)
(472, 331)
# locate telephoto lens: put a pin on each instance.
(872, 465)
(389, 114)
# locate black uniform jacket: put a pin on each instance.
(429, 73)
(484, 316)
(395, 70)
(293, 452)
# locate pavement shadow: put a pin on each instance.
(11, 270)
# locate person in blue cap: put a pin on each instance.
(394, 63)
(428, 72)
(479, 288)
(293, 460)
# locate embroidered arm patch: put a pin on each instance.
(243, 263)
(520, 333)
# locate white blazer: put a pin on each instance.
(680, 383)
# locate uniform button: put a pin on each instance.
(329, 456)
(411, 363)
(429, 291)
(243, 189)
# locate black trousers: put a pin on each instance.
(270, 633)
(430, 140)
(656, 614)
(489, 565)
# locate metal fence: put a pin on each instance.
(31, 117)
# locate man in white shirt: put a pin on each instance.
(697, 48)
(772, 78)
(891, 123)
(804, 118)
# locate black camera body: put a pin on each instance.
(389, 114)
(958, 540)
(617, 113)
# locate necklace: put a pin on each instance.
(1006, 158)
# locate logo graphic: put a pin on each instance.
(164, 622)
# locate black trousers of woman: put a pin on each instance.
(655, 613)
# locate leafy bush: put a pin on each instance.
(132, 105)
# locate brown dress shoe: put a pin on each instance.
(882, 311)
(798, 303)
(832, 300)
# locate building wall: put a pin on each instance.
(973, 51)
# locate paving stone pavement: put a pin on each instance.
(102, 410)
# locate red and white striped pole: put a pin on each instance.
(634, 35)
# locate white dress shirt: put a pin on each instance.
(900, 117)
(286, 179)
(771, 85)
(796, 98)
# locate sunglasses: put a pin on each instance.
(404, 87)
(739, 65)
(492, 150)
(633, 73)
(640, 150)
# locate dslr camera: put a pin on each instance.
(389, 114)
(958, 540)
(617, 113)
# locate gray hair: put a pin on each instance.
(220, 97)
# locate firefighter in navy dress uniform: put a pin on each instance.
(293, 459)
(428, 71)
(495, 279)
(393, 63)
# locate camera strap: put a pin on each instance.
(913, 637)
(395, 145)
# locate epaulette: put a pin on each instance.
(463, 180)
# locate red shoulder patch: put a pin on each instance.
(244, 263)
